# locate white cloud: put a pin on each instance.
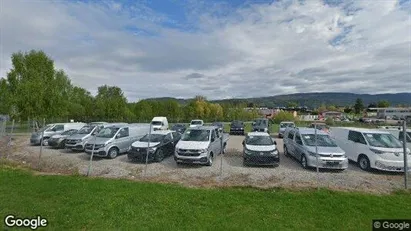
(254, 50)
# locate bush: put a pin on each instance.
(283, 116)
(329, 121)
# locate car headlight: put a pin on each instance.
(204, 150)
(152, 149)
(275, 152)
(312, 153)
(176, 150)
(265, 129)
(376, 151)
(248, 152)
(241, 128)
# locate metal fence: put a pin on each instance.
(227, 167)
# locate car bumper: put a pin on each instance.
(261, 160)
(97, 152)
(201, 159)
(328, 163)
(77, 146)
(54, 143)
(140, 156)
(236, 132)
(390, 166)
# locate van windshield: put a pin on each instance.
(107, 132)
(86, 130)
(156, 123)
(259, 140)
(382, 140)
(261, 123)
(322, 140)
(153, 138)
(196, 135)
(286, 125)
(196, 122)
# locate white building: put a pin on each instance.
(391, 112)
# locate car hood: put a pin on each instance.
(77, 136)
(260, 148)
(236, 126)
(58, 136)
(326, 150)
(193, 144)
(139, 144)
(194, 125)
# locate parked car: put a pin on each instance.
(261, 125)
(219, 125)
(58, 141)
(200, 145)
(283, 126)
(162, 144)
(196, 123)
(114, 140)
(259, 148)
(371, 148)
(179, 128)
(301, 143)
(52, 129)
(159, 123)
(319, 126)
(77, 142)
(237, 127)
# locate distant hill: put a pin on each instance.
(315, 99)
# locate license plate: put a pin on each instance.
(332, 162)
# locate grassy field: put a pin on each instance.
(78, 203)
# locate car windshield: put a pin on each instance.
(153, 138)
(259, 140)
(322, 140)
(45, 128)
(86, 130)
(286, 125)
(196, 135)
(68, 132)
(236, 123)
(261, 122)
(108, 132)
(382, 140)
(156, 123)
(218, 124)
(196, 122)
(178, 126)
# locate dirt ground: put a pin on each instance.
(227, 170)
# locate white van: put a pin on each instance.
(52, 129)
(399, 134)
(371, 148)
(159, 123)
(114, 140)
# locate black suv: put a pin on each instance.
(237, 127)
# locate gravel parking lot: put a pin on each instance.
(227, 170)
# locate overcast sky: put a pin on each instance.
(183, 48)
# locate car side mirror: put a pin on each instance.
(275, 142)
(243, 142)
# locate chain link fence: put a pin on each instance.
(142, 153)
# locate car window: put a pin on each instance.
(123, 133)
(356, 137)
(291, 135)
(298, 139)
(401, 136)
(213, 136)
(59, 128)
(217, 133)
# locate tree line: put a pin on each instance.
(34, 89)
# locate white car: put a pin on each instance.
(371, 148)
(196, 123)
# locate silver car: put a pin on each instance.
(283, 126)
(300, 143)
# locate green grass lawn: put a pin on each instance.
(78, 203)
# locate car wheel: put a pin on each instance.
(159, 155)
(225, 149)
(210, 160)
(112, 153)
(304, 162)
(62, 144)
(286, 152)
(364, 162)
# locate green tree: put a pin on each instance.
(283, 116)
(110, 103)
(383, 103)
(358, 106)
(5, 97)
